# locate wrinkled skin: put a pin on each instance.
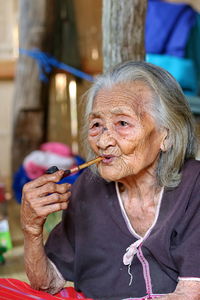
(41, 197)
(121, 128)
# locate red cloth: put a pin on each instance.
(13, 289)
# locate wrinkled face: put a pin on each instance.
(121, 130)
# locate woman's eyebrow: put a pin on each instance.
(118, 110)
(95, 115)
(114, 111)
(123, 111)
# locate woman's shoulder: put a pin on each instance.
(190, 163)
(191, 169)
(190, 179)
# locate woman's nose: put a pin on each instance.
(106, 139)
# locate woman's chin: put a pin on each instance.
(109, 176)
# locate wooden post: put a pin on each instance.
(35, 31)
(123, 31)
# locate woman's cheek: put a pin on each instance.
(92, 142)
(127, 145)
(128, 134)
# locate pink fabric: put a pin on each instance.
(33, 170)
(58, 148)
(13, 289)
(146, 271)
(38, 161)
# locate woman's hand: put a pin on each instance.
(185, 290)
(41, 197)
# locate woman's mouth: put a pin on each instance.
(107, 159)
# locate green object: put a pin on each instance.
(2, 259)
(52, 220)
(5, 239)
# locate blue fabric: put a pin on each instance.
(181, 68)
(168, 27)
(20, 178)
(72, 178)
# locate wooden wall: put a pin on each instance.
(87, 15)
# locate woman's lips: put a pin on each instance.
(107, 159)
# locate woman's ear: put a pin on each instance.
(165, 142)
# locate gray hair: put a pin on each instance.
(170, 110)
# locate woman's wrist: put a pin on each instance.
(32, 231)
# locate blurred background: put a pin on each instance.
(50, 51)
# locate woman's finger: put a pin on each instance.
(44, 211)
(40, 181)
(53, 198)
(48, 188)
(37, 204)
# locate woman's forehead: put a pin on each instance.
(133, 95)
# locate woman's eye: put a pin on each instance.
(95, 128)
(123, 123)
(95, 125)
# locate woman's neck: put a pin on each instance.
(143, 187)
(140, 197)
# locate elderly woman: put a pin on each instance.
(131, 227)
